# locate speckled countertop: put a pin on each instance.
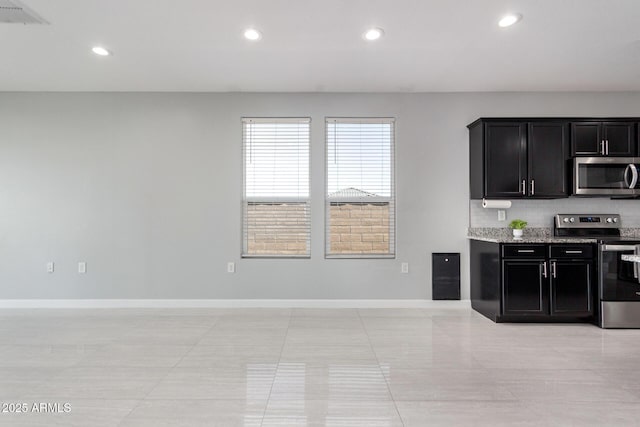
(632, 258)
(537, 235)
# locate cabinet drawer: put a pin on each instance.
(571, 251)
(523, 251)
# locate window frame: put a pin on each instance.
(392, 199)
(245, 201)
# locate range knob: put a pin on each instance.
(572, 219)
(615, 219)
(565, 220)
(609, 220)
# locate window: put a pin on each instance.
(360, 195)
(276, 211)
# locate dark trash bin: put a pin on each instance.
(445, 276)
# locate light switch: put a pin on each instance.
(82, 267)
(50, 267)
(502, 215)
(231, 267)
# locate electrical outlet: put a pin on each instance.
(82, 267)
(50, 267)
(502, 215)
(231, 267)
(405, 267)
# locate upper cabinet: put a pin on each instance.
(547, 153)
(505, 154)
(603, 138)
(512, 159)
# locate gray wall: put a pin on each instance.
(146, 188)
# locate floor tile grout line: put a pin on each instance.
(169, 371)
(380, 368)
(275, 374)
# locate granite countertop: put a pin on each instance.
(537, 235)
(632, 258)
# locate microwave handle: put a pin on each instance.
(634, 175)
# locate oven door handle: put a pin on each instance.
(618, 248)
(636, 265)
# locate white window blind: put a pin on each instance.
(360, 194)
(276, 210)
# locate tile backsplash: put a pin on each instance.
(539, 213)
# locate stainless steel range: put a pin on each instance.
(618, 278)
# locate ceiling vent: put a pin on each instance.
(15, 12)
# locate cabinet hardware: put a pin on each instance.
(606, 146)
(524, 187)
(572, 252)
(525, 251)
(553, 269)
(602, 147)
(544, 270)
(533, 187)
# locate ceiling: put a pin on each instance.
(317, 46)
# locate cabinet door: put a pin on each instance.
(505, 160)
(586, 139)
(571, 288)
(547, 149)
(619, 137)
(524, 288)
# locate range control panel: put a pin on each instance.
(587, 221)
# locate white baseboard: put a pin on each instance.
(231, 303)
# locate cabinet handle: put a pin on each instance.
(553, 269)
(544, 270)
(572, 252)
(533, 187)
(602, 147)
(524, 187)
(606, 146)
(525, 251)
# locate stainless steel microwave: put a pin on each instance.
(606, 176)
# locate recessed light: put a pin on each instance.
(252, 34)
(99, 50)
(509, 20)
(373, 34)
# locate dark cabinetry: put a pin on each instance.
(535, 282)
(571, 268)
(524, 277)
(516, 159)
(505, 160)
(571, 287)
(610, 138)
(547, 149)
(523, 289)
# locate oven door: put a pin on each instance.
(608, 176)
(619, 279)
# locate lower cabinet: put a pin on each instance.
(571, 287)
(524, 288)
(533, 282)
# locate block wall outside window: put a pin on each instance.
(277, 228)
(359, 228)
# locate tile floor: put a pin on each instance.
(313, 367)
